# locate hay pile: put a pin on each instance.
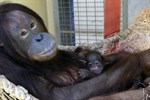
(139, 38)
(135, 39)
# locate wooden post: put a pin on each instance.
(111, 17)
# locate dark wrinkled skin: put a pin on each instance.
(127, 95)
(25, 61)
(136, 94)
(114, 58)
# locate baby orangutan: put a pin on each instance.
(93, 63)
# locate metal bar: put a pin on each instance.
(87, 22)
(81, 31)
(95, 19)
(88, 2)
(78, 20)
(124, 14)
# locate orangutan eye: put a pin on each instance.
(33, 25)
(23, 32)
(89, 63)
(97, 62)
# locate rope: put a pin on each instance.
(9, 91)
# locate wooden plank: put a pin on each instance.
(111, 17)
